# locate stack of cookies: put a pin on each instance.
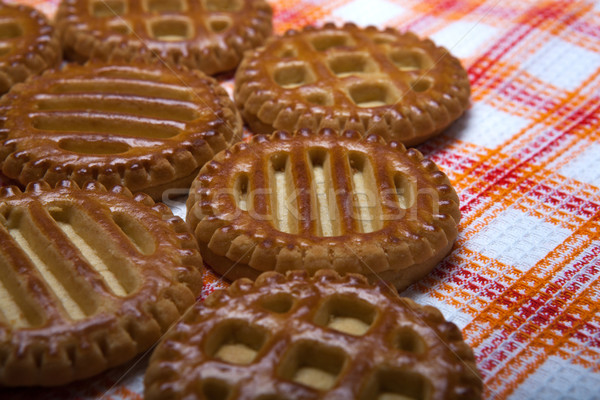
(319, 219)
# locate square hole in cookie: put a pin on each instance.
(278, 303)
(328, 40)
(292, 75)
(287, 52)
(312, 364)
(10, 30)
(396, 384)
(223, 5)
(373, 94)
(219, 24)
(410, 59)
(405, 189)
(235, 342)
(108, 8)
(171, 29)
(214, 389)
(346, 314)
(384, 38)
(406, 339)
(318, 97)
(421, 84)
(162, 6)
(351, 63)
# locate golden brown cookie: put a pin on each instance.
(28, 44)
(323, 201)
(384, 82)
(88, 279)
(147, 127)
(210, 35)
(326, 337)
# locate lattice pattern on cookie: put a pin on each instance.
(206, 34)
(319, 201)
(352, 78)
(298, 356)
(87, 276)
(167, 20)
(337, 55)
(28, 44)
(120, 124)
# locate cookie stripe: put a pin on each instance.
(307, 212)
(31, 238)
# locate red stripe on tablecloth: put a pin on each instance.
(529, 21)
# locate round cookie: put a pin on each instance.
(373, 81)
(326, 337)
(28, 44)
(326, 200)
(89, 278)
(209, 35)
(148, 127)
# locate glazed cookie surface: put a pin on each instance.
(209, 35)
(325, 337)
(373, 81)
(326, 200)
(89, 278)
(28, 44)
(147, 127)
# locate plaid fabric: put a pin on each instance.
(523, 282)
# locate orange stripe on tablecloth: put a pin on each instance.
(578, 352)
(506, 321)
(502, 309)
(122, 392)
(545, 344)
(512, 188)
(513, 165)
(430, 17)
(524, 96)
(530, 32)
(454, 157)
(284, 20)
(469, 275)
(444, 9)
(211, 281)
(580, 31)
(526, 36)
(530, 282)
(563, 112)
(530, 177)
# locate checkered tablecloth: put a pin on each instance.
(523, 281)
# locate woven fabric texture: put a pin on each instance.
(523, 281)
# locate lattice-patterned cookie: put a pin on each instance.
(88, 279)
(28, 44)
(210, 35)
(326, 337)
(383, 82)
(147, 127)
(328, 200)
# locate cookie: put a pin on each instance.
(209, 35)
(326, 337)
(89, 278)
(373, 81)
(28, 44)
(327, 200)
(147, 127)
